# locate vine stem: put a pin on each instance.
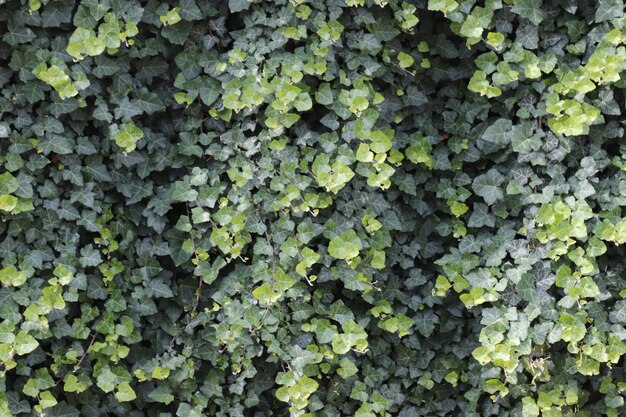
(82, 358)
(200, 280)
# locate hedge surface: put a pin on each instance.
(312, 208)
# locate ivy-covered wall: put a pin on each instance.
(326, 208)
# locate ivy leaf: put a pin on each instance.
(530, 9)
(17, 34)
(425, 323)
(85, 42)
(265, 294)
(62, 410)
(90, 256)
(25, 343)
(161, 290)
(488, 186)
(127, 136)
(8, 203)
(496, 137)
(55, 14)
(345, 246)
(529, 407)
(442, 5)
(47, 400)
(522, 139)
(10, 276)
(57, 78)
(324, 94)
(125, 393)
(618, 315)
(171, 17)
(106, 380)
(238, 5)
(353, 336)
(471, 27)
(609, 10)
(405, 60)
(347, 368)
(162, 394)
(178, 33)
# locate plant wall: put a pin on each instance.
(325, 208)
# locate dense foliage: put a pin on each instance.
(312, 207)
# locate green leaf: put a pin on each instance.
(46, 400)
(618, 313)
(425, 323)
(8, 203)
(609, 10)
(25, 343)
(85, 42)
(324, 94)
(353, 336)
(178, 33)
(148, 102)
(345, 246)
(162, 394)
(522, 139)
(347, 369)
(405, 60)
(106, 380)
(171, 17)
(63, 273)
(10, 276)
(488, 186)
(265, 294)
(238, 5)
(57, 78)
(125, 393)
(127, 136)
(381, 140)
(530, 9)
(76, 384)
(420, 152)
(303, 102)
(472, 28)
(8, 183)
(529, 407)
(445, 6)
(496, 137)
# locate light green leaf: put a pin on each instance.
(171, 17)
(444, 6)
(10, 276)
(8, 203)
(8, 183)
(265, 294)
(347, 369)
(405, 60)
(106, 380)
(85, 42)
(127, 136)
(529, 407)
(345, 246)
(25, 343)
(125, 393)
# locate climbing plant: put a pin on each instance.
(312, 208)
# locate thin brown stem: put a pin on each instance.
(82, 358)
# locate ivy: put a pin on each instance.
(299, 207)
